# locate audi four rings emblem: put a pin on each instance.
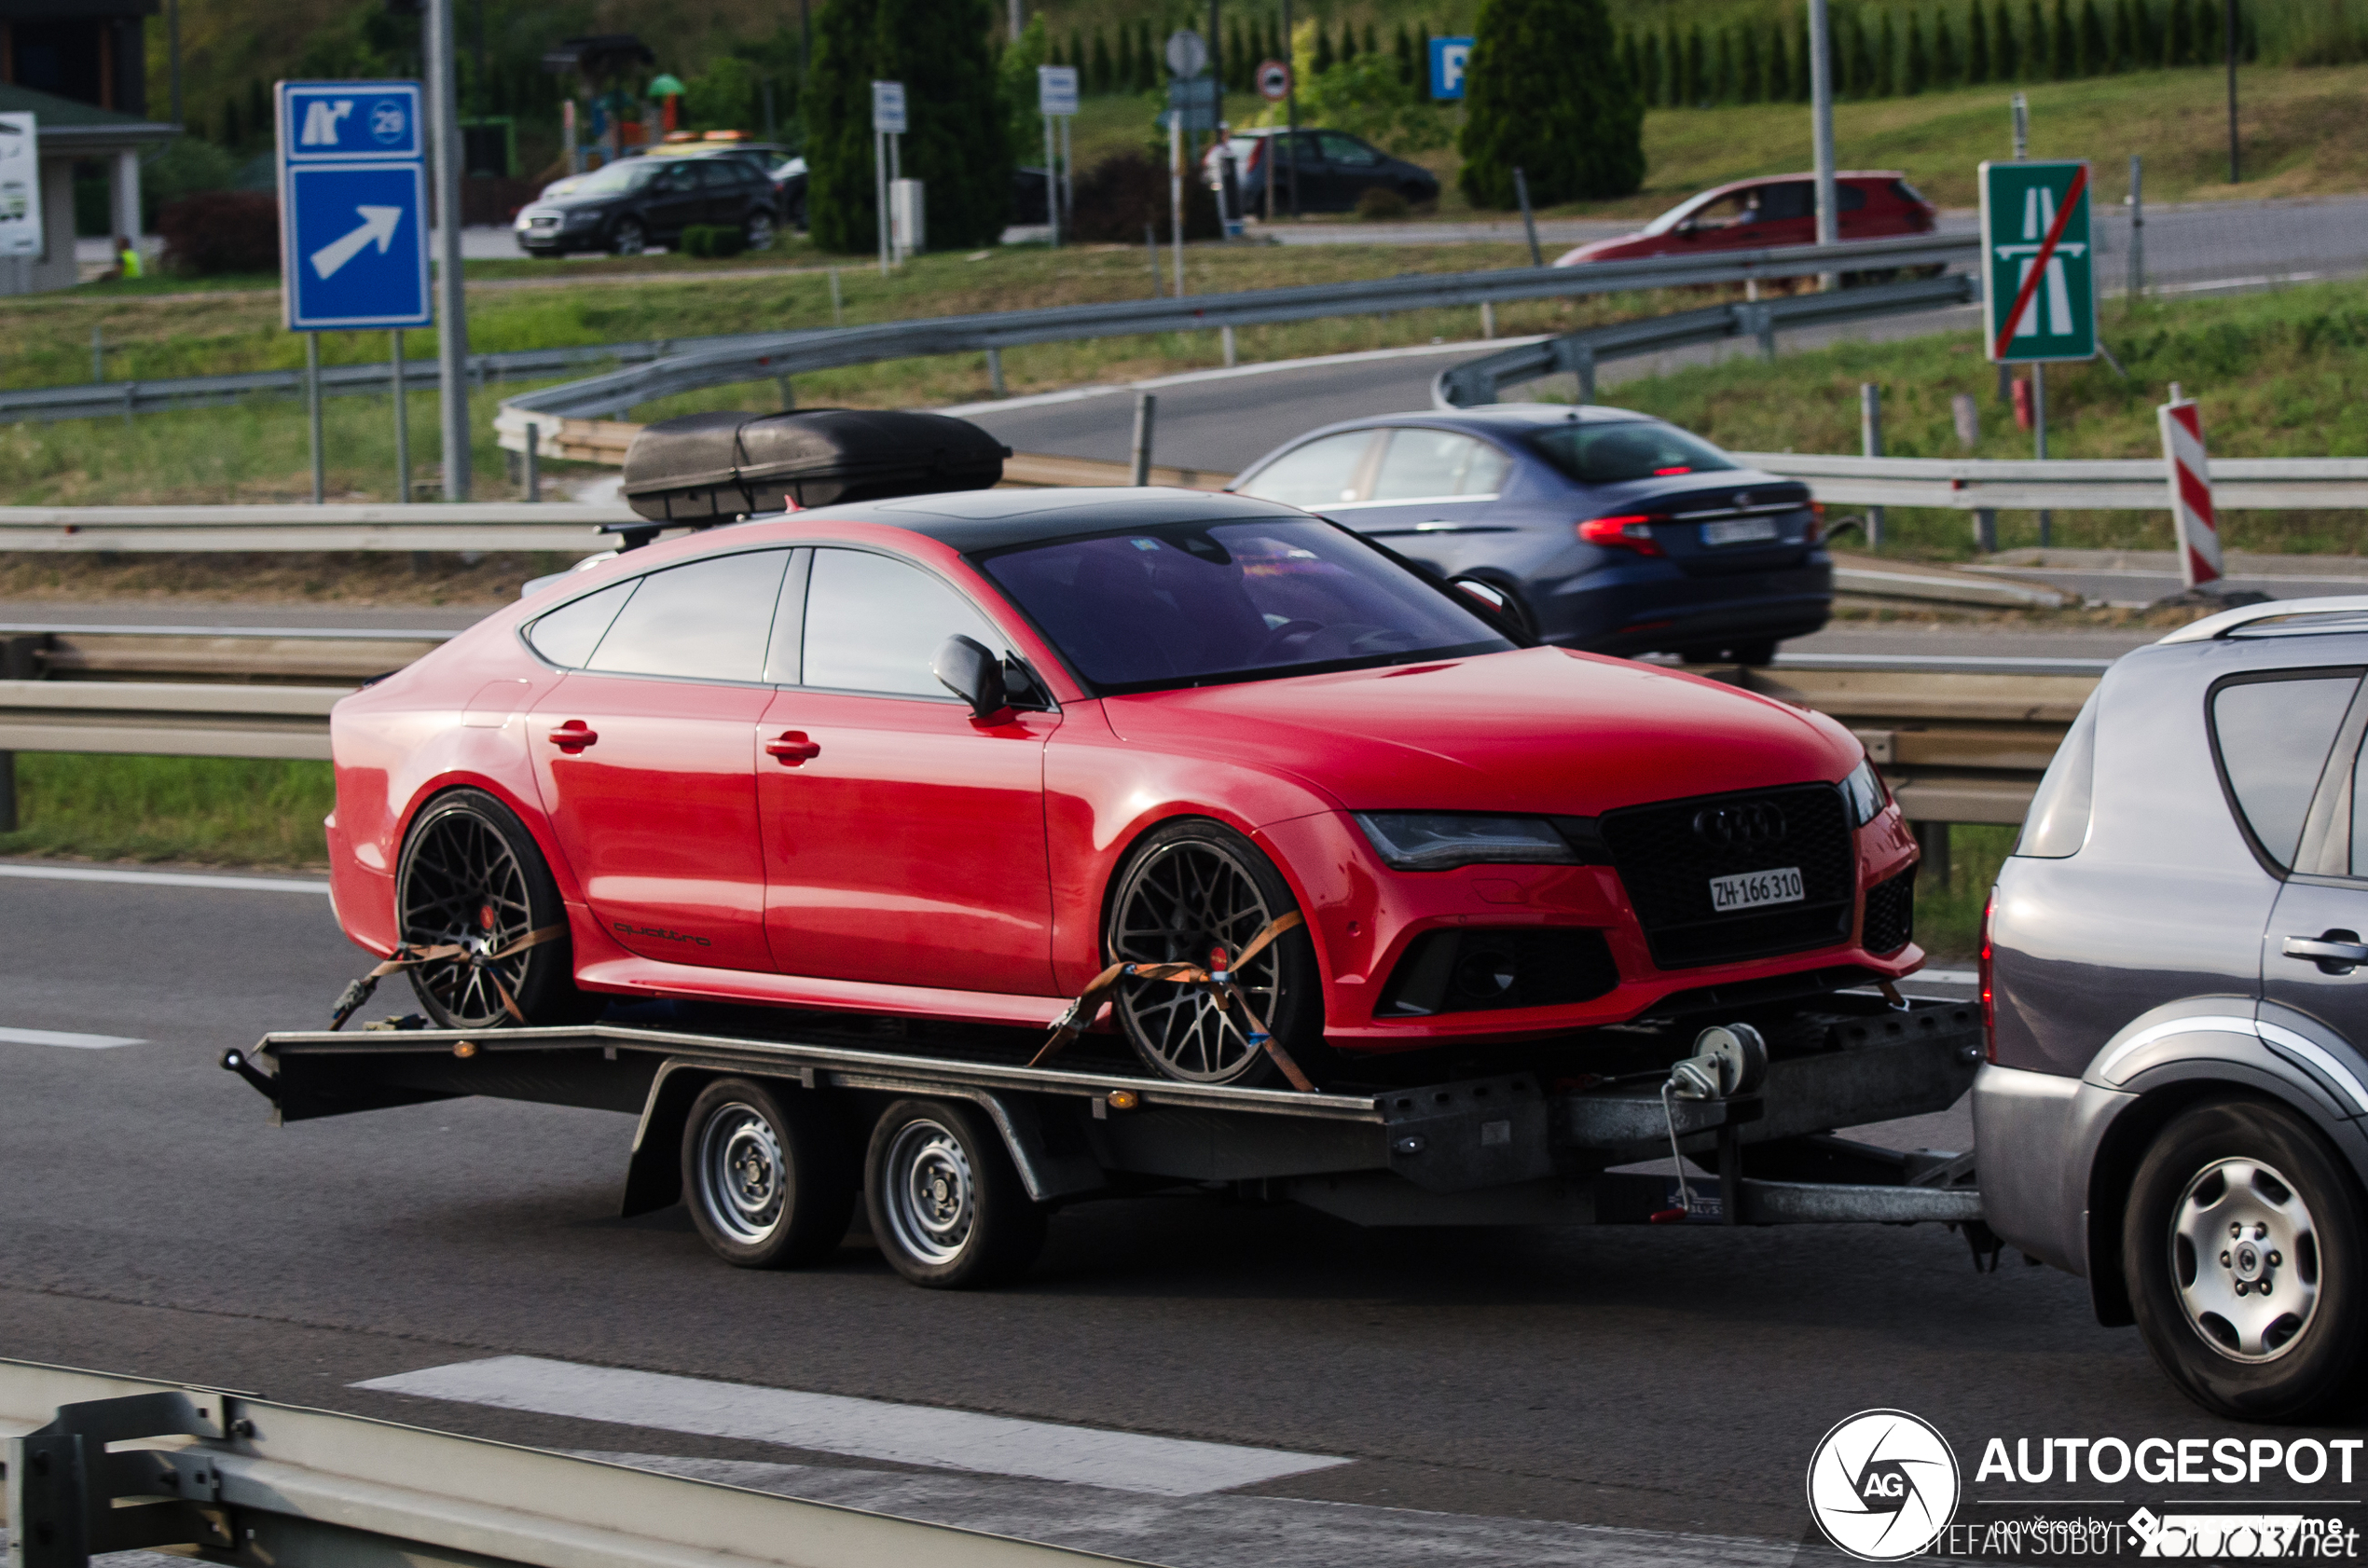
(1730, 827)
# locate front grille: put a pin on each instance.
(1891, 913)
(1481, 970)
(1666, 865)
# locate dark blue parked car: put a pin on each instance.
(1604, 529)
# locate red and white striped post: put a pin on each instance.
(2190, 474)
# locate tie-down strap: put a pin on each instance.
(407, 956)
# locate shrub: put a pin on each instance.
(1118, 196)
(221, 231)
(1545, 96)
(714, 240)
(1380, 204)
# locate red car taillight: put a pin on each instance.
(1988, 1001)
(1258, 155)
(1816, 521)
(1634, 532)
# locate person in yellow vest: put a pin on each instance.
(126, 258)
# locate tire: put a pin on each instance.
(2257, 1165)
(1189, 886)
(944, 1204)
(628, 238)
(758, 231)
(767, 1173)
(1759, 651)
(470, 873)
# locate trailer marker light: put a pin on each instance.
(1124, 1099)
(464, 1049)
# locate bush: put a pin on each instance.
(1124, 191)
(714, 240)
(221, 231)
(1380, 204)
(1547, 96)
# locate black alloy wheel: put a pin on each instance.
(470, 877)
(629, 238)
(1195, 892)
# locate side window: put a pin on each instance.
(709, 620)
(1850, 197)
(2273, 737)
(873, 624)
(1317, 474)
(2057, 824)
(568, 635)
(1424, 464)
(1791, 199)
(1348, 151)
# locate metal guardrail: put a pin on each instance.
(1478, 381)
(102, 1464)
(2105, 484)
(768, 356)
(1960, 739)
(559, 525)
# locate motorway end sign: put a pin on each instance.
(2038, 263)
(354, 202)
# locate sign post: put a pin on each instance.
(2038, 274)
(1056, 100)
(887, 124)
(1448, 58)
(2191, 508)
(353, 237)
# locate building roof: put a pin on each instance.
(67, 126)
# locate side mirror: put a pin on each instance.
(1487, 594)
(965, 667)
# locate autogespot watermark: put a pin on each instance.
(1884, 1487)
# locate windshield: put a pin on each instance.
(611, 180)
(1182, 605)
(1614, 451)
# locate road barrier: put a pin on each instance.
(470, 525)
(103, 1464)
(1478, 381)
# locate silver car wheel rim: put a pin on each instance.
(740, 1167)
(628, 238)
(931, 1197)
(760, 233)
(2244, 1260)
(1176, 905)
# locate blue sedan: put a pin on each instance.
(1597, 527)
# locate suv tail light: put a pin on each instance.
(1634, 532)
(1989, 1000)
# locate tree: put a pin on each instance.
(1861, 59)
(1751, 79)
(2063, 50)
(2038, 62)
(1325, 58)
(1406, 71)
(2095, 52)
(1976, 46)
(1672, 85)
(2005, 58)
(1722, 67)
(1918, 74)
(1098, 73)
(1697, 79)
(1537, 101)
(960, 142)
(1947, 70)
(1631, 64)
(1886, 61)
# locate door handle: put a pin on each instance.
(792, 748)
(573, 736)
(2335, 952)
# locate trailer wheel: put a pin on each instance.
(945, 1202)
(471, 876)
(2243, 1246)
(1192, 887)
(768, 1175)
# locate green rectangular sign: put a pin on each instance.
(2038, 263)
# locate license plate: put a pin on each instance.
(1752, 889)
(1743, 531)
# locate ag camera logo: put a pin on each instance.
(1882, 1485)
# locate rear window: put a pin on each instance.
(1907, 192)
(2273, 737)
(1616, 452)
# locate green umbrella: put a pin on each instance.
(665, 86)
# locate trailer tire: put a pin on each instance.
(469, 871)
(945, 1202)
(2298, 1215)
(767, 1173)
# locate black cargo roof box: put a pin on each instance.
(713, 468)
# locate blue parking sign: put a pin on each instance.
(353, 242)
(1448, 56)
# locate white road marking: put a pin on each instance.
(57, 1037)
(162, 878)
(869, 1428)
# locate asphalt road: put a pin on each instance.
(1481, 1397)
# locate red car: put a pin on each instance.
(1760, 214)
(947, 756)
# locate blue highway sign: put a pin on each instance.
(1448, 58)
(353, 206)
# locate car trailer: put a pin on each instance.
(771, 1131)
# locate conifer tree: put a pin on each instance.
(1976, 45)
(1538, 99)
(1917, 74)
(1947, 68)
(1886, 61)
(2063, 47)
(2006, 53)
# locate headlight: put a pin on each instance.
(1439, 840)
(1862, 794)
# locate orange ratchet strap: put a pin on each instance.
(411, 958)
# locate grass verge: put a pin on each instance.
(208, 810)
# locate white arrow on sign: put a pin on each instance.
(378, 223)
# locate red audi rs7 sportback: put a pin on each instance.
(948, 756)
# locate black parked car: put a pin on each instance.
(1334, 170)
(1595, 527)
(636, 203)
(2174, 966)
